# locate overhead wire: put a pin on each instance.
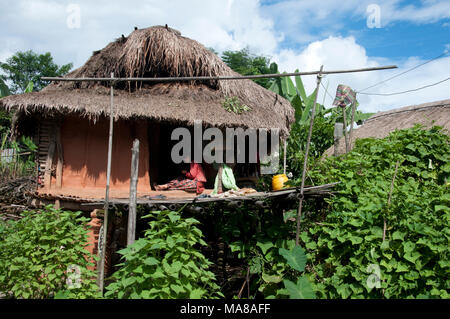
(404, 72)
(407, 91)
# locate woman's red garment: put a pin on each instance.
(196, 173)
(185, 184)
(195, 181)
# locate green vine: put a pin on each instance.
(349, 257)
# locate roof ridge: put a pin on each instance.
(410, 108)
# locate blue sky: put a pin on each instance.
(395, 39)
(297, 34)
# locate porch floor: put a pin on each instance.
(96, 193)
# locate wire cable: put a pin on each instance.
(417, 89)
(409, 70)
(326, 91)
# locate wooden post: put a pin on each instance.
(352, 120)
(59, 164)
(344, 114)
(338, 133)
(305, 162)
(101, 268)
(131, 232)
(49, 161)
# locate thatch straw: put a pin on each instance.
(382, 123)
(161, 52)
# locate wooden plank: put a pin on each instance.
(60, 158)
(48, 166)
(131, 231)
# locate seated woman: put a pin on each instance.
(194, 180)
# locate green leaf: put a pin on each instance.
(265, 246)
(295, 258)
(271, 278)
(150, 261)
(300, 290)
(398, 235)
(300, 87)
(29, 87)
(196, 293)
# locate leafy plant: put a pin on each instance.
(38, 251)
(301, 289)
(23, 159)
(274, 262)
(4, 89)
(165, 263)
(323, 129)
(349, 258)
(233, 104)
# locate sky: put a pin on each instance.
(296, 34)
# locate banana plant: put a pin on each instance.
(29, 88)
(4, 90)
(303, 103)
(296, 94)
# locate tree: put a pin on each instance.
(246, 63)
(27, 66)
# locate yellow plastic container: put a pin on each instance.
(278, 181)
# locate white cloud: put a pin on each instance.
(232, 25)
(337, 53)
(219, 24)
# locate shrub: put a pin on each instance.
(165, 263)
(349, 256)
(44, 252)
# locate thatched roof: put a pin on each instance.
(160, 52)
(381, 124)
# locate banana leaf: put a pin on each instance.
(300, 88)
(4, 90)
(29, 87)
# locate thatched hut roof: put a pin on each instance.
(381, 124)
(160, 52)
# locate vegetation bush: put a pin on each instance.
(165, 263)
(43, 253)
(349, 257)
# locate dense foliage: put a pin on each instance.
(246, 63)
(43, 253)
(349, 257)
(322, 135)
(28, 66)
(263, 241)
(165, 263)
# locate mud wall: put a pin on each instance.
(85, 148)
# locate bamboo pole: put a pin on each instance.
(338, 133)
(305, 162)
(131, 233)
(344, 115)
(203, 78)
(60, 158)
(352, 120)
(101, 268)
